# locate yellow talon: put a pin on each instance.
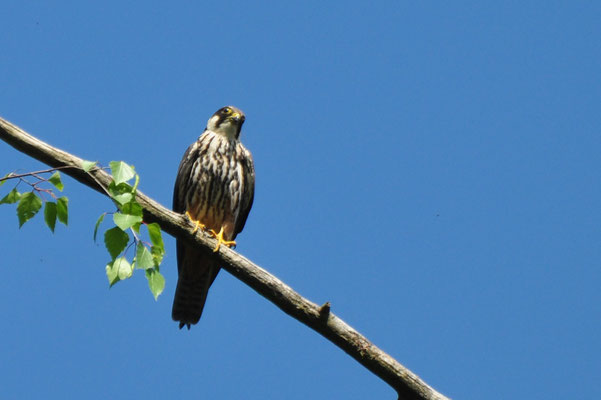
(198, 223)
(221, 240)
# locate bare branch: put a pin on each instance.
(319, 318)
(12, 175)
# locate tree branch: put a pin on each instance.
(319, 318)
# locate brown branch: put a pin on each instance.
(319, 318)
(12, 175)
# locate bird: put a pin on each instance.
(214, 188)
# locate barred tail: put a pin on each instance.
(196, 274)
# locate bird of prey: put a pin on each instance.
(215, 188)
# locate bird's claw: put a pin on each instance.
(196, 222)
(221, 240)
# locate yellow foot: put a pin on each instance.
(198, 223)
(221, 240)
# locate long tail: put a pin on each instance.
(197, 271)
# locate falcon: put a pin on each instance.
(215, 188)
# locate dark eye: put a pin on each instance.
(227, 110)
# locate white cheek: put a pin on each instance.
(211, 124)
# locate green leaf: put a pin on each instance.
(132, 208)
(28, 206)
(12, 197)
(156, 282)
(158, 249)
(123, 198)
(62, 209)
(144, 259)
(98, 224)
(135, 209)
(136, 227)
(50, 214)
(124, 269)
(121, 193)
(55, 179)
(157, 255)
(121, 171)
(111, 274)
(126, 221)
(88, 165)
(115, 241)
(118, 270)
(154, 231)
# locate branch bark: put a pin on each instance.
(319, 318)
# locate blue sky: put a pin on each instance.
(431, 169)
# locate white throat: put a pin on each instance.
(226, 128)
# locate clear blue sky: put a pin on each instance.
(433, 170)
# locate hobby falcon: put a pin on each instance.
(215, 188)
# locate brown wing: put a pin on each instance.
(179, 190)
(248, 193)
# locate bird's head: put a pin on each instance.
(227, 121)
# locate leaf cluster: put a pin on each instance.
(29, 203)
(128, 220)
